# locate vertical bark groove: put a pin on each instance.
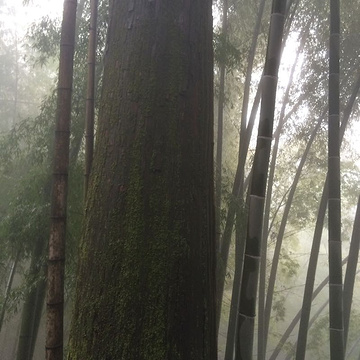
(147, 256)
(90, 98)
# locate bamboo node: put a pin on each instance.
(246, 316)
(338, 330)
(253, 256)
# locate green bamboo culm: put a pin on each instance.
(310, 277)
(245, 334)
(56, 257)
(334, 205)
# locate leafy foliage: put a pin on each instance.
(26, 155)
(225, 52)
(44, 36)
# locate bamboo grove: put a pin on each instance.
(180, 180)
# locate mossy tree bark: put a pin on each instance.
(146, 280)
(90, 93)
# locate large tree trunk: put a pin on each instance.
(146, 280)
(90, 93)
(220, 272)
(218, 165)
(219, 138)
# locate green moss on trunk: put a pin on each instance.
(146, 278)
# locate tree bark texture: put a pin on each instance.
(220, 126)
(90, 97)
(56, 258)
(146, 280)
(218, 164)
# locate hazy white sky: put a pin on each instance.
(21, 16)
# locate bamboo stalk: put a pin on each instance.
(334, 204)
(245, 336)
(56, 258)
